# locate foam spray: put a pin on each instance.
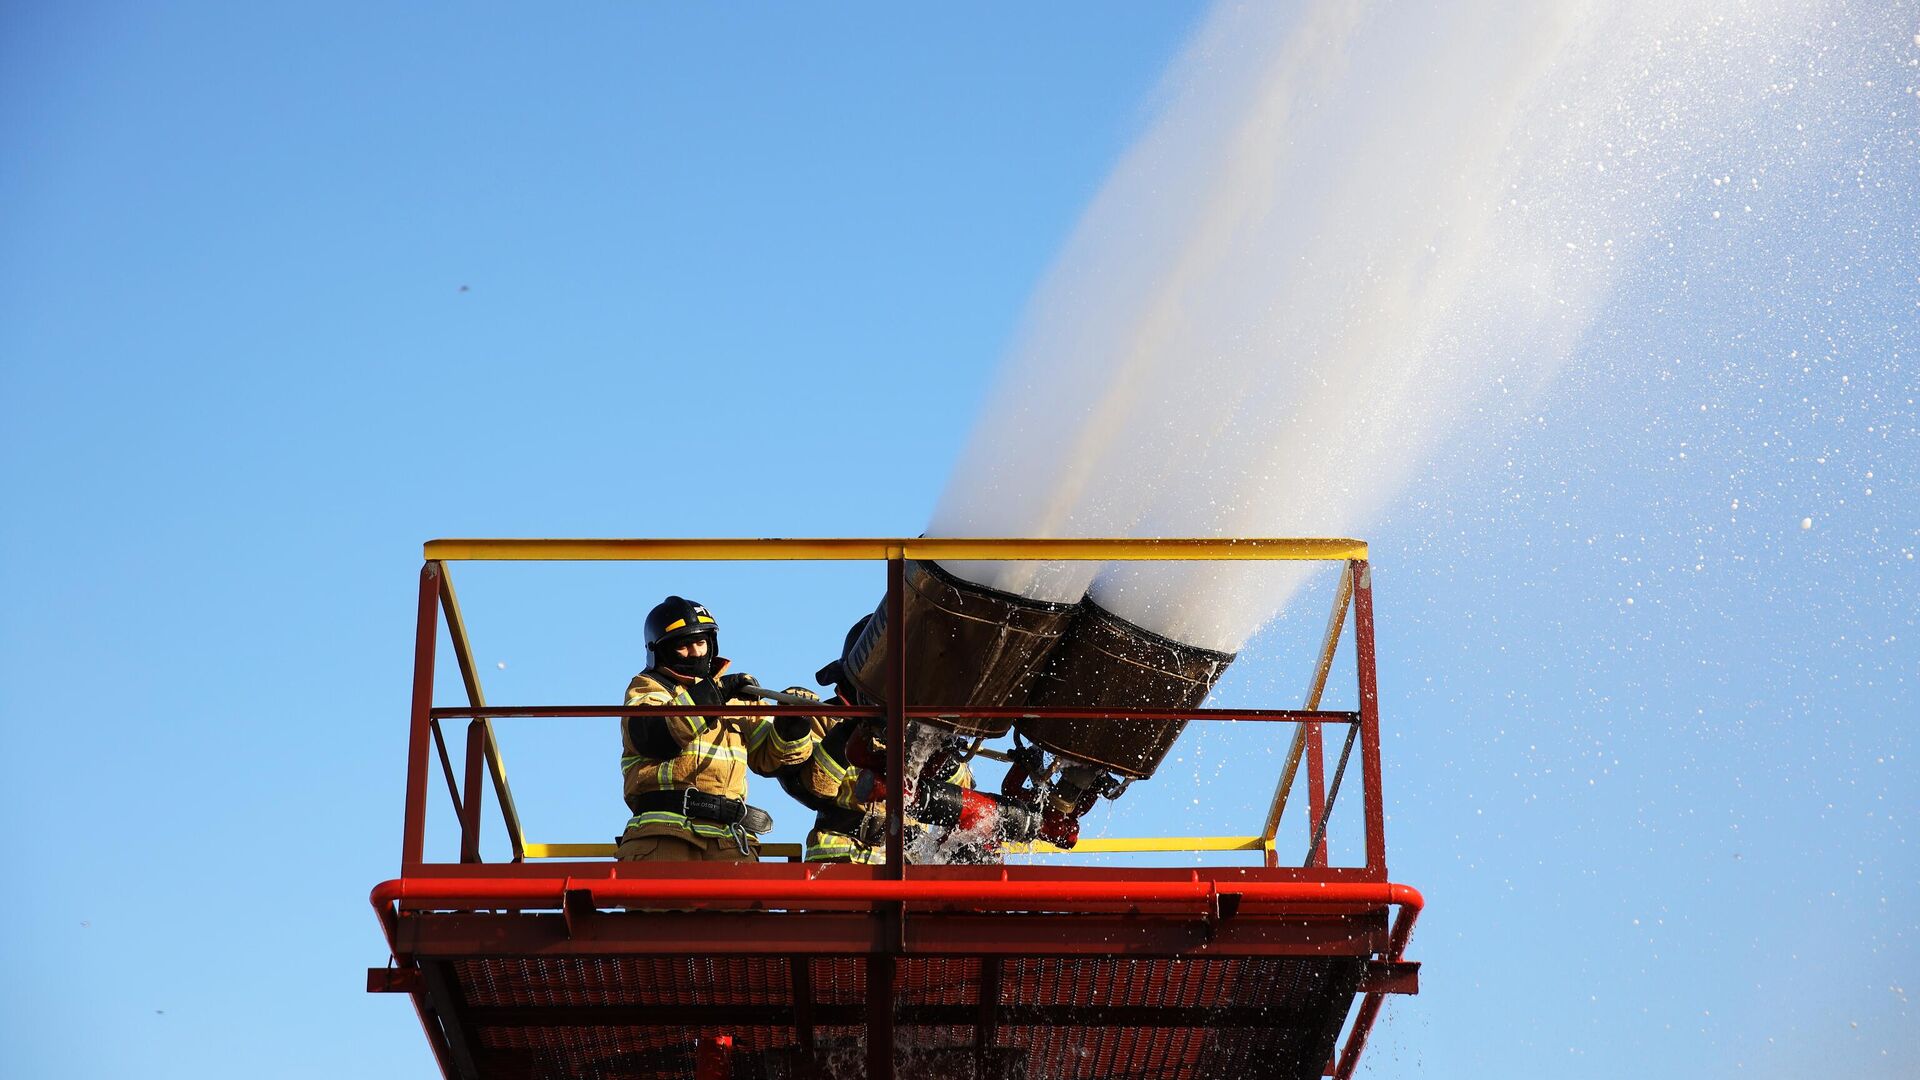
(1348, 226)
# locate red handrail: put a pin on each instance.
(521, 893)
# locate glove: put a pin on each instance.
(792, 728)
(873, 831)
(738, 686)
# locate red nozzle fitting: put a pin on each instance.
(977, 810)
(1059, 827)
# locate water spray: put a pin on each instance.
(1354, 233)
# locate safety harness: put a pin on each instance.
(738, 817)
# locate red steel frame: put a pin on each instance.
(871, 909)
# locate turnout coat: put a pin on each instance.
(708, 754)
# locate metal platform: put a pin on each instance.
(822, 972)
(552, 967)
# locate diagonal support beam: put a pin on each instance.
(477, 698)
(1316, 688)
(448, 1008)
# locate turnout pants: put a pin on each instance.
(659, 848)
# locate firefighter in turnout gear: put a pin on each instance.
(849, 825)
(815, 784)
(818, 782)
(685, 776)
(849, 822)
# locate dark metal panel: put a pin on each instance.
(394, 980)
(1391, 977)
(801, 969)
(881, 972)
(987, 1025)
(713, 1058)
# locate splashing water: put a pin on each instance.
(1349, 226)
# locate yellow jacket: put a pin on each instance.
(708, 754)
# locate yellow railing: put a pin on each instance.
(984, 548)
(864, 549)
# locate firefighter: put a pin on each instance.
(848, 822)
(816, 783)
(849, 810)
(685, 776)
(852, 827)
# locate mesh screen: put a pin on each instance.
(536, 1019)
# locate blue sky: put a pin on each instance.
(285, 292)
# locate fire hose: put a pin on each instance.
(944, 804)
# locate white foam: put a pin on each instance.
(1352, 230)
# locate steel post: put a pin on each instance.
(893, 916)
(1364, 659)
(896, 716)
(1316, 791)
(413, 832)
(1369, 718)
(474, 791)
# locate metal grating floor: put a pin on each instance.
(1056, 1018)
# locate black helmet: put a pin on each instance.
(835, 674)
(677, 619)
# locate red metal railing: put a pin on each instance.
(426, 886)
(482, 753)
(1003, 894)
